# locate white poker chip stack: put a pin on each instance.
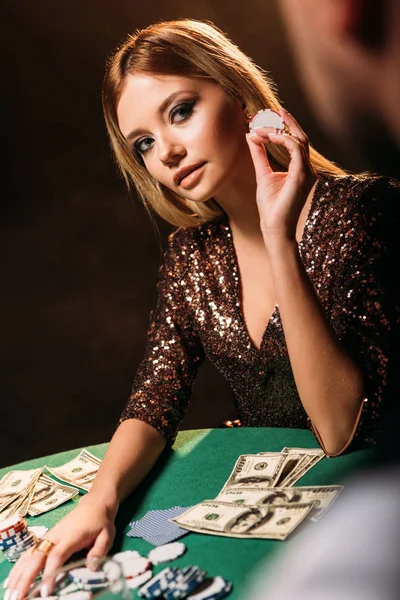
(15, 537)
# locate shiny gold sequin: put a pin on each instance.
(349, 248)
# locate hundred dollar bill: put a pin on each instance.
(49, 494)
(297, 461)
(256, 471)
(18, 506)
(310, 458)
(80, 471)
(17, 484)
(321, 497)
(234, 520)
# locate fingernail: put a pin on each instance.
(44, 590)
(5, 584)
(7, 595)
(15, 595)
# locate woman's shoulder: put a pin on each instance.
(191, 245)
(193, 239)
(364, 198)
(364, 187)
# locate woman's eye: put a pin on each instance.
(181, 112)
(143, 145)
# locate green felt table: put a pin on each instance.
(195, 469)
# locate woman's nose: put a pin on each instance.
(170, 151)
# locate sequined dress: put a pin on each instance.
(349, 249)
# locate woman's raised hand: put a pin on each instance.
(89, 525)
(281, 195)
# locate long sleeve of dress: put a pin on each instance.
(163, 382)
(367, 305)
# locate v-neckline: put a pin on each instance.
(238, 301)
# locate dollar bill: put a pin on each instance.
(48, 494)
(15, 486)
(80, 471)
(255, 470)
(243, 521)
(310, 457)
(321, 497)
(296, 463)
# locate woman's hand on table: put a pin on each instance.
(281, 196)
(89, 525)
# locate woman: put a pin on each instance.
(273, 272)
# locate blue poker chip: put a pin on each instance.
(186, 580)
(217, 588)
(12, 540)
(156, 586)
(85, 576)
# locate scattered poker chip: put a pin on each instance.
(68, 589)
(135, 582)
(83, 575)
(79, 595)
(166, 553)
(216, 589)
(156, 586)
(126, 554)
(132, 566)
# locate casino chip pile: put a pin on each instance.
(16, 537)
(172, 583)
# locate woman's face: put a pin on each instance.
(188, 131)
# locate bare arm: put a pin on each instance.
(329, 383)
(132, 452)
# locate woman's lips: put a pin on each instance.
(192, 178)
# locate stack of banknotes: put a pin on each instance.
(259, 500)
(33, 492)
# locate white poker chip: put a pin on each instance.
(121, 556)
(79, 595)
(85, 575)
(166, 552)
(38, 531)
(266, 118)
(134, 582)
(133, 566)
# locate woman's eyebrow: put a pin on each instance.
(160, 111)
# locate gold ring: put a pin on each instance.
(44, 546)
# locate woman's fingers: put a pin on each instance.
(23, 574)
(258, 155)
(298, 151)
(293, 126)
(102, 544)
(299, 160)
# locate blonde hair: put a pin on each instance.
(193, 49)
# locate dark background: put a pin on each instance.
(78, 256)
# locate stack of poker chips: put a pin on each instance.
(174, 583)
(15, 537)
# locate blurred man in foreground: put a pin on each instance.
(348, 53)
